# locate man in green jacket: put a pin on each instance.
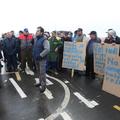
(55, 44)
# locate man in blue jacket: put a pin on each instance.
(40, 51)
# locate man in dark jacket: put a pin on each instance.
(10, 47)
(112, 37)
(90, 55)
(40, 51)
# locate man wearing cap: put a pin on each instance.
(112, 37)
(40, 51)
(80, 37)
(90, 55)
(26, 46)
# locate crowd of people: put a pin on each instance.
(43, 51)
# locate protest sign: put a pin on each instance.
(74, 55)
(100, 52)
(99, 58)
(111, 83)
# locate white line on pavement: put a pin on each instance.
(66, 116)
(37, 80)
(66, 81)
(90, 104)
(94, 103)
(48, 94)
(41, 119)
(48, 82)
(6, 73)
(19, 90)
(65, 102)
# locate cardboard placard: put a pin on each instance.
(74, 55)
(99, 58)
(111, 83)
(100, 52)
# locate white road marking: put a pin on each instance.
(5, 81)
(94, 103)
(48, 94)
(48, 82)
(19, 90)
(66, 116)
(90, 104)
(66, 81)
(41, 119)
(37, 80)
(6, 73)
(64, 103)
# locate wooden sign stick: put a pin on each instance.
(72, 73)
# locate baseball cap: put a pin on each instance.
(93, 33)
(26, 30)
(79, 30)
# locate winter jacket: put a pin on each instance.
(90, 45)
(112, 40)
(79, 38)
(26, 41)
(10, 46)
(54, 44)
(41, 48)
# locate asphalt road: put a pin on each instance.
(65, 98)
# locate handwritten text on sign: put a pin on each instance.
(100, 52)
(74, 55)
(111, 82)
(99, 58)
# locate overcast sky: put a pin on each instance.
(98, 15)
